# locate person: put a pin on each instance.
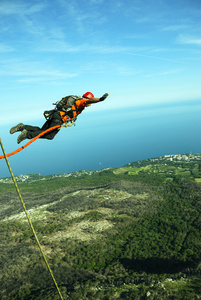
(58, 117)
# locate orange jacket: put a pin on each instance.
(81, 104)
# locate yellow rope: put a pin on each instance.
(30, 223)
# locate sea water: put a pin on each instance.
(113, 138)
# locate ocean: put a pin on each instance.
(112, 138)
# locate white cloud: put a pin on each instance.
(82, 18)
(186, 39)
(26, 71)
(74, 13)
(19, 8)
(20, 17)
(165, 73)
(47, 77)
(5, 48)
(59, 46)
(51, 45)
(96, 1)
(175, 27)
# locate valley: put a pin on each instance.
(120, 233)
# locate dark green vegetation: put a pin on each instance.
(127, 233)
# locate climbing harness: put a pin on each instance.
(68, 104)
(38, 136)
(29, 220)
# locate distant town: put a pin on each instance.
(179, 157)
(174, 158)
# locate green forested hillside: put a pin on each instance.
(123, 233)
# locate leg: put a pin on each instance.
(54, 121)
(30, 132)
(21, 126)
(33, 131)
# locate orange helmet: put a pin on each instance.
(88, 95)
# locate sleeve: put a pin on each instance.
(81, 103)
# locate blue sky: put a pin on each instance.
(143, 53)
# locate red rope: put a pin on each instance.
(31, 141)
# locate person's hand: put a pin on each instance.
(104, 97)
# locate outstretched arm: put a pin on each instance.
(95, 100)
